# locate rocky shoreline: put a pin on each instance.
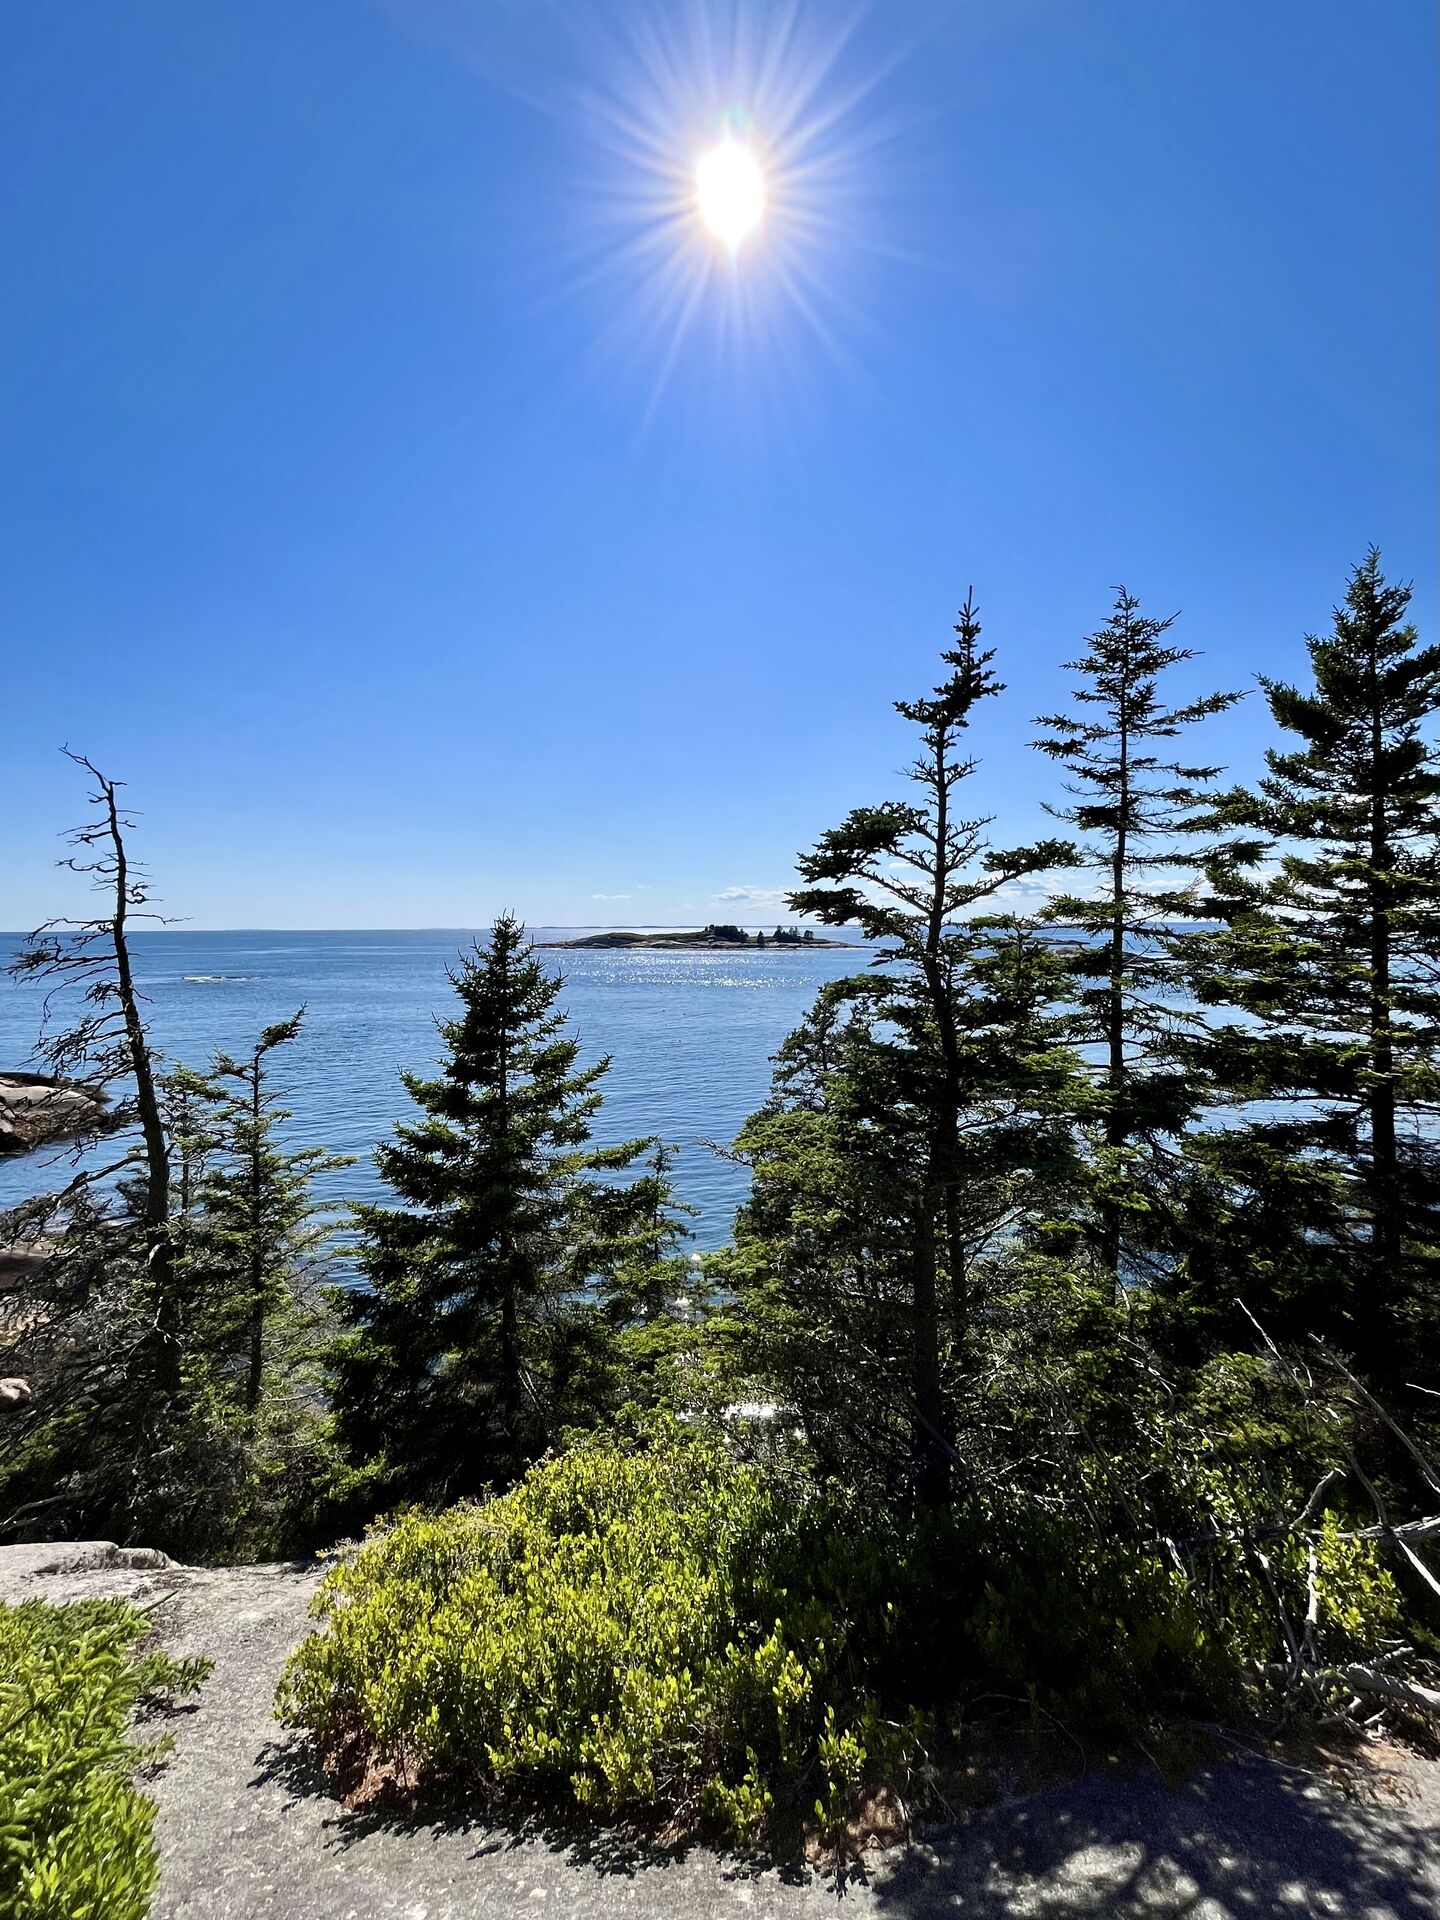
(36, 1111)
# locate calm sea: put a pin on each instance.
(690, 1035)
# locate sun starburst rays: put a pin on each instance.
(722, 210)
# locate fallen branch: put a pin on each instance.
(1387, 1686)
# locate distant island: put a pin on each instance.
(712, 936)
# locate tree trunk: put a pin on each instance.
(256, 1371)
(159, 1251)
(508, 1394)
(928, 1422)
(945, 1120)
(1117, 1124)
(509, 1383)
(1385, 1223)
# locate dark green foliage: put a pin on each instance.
(1138, 812)
(912, 874)
(256, 1249)
(104, 1450)
(474, 1342)
(645, 1268)
(75, 1840)
(840, 1157)
(163, 1337)
(207, 1465)
(653, 1623)
(1327, 1176)
(256, 1239)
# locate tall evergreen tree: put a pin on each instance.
(1331, 949)
(1138, 812)
(261, 1233)
(446, 1381)
(841, 1158)
(911, 873)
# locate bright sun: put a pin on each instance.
(731, 191)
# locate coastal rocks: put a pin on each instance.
(250, 1829)
(21, 1261)
(52, 1560)
(36, 1111)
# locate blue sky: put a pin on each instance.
(367, 509)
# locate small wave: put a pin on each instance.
(216, 979)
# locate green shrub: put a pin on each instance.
(650, 1623)
(75, 1839)
(622, 1626)
(1193, 1603)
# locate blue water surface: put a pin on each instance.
(690, 1035)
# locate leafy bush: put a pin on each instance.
(650, 1623)
(74, 1832)
(627, 1625)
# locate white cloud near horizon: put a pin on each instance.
(751, 896)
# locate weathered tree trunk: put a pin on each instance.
(939, 1199)
(159, 1249)
(255, 1373)
(508, 1386)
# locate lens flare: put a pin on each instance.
(738, 192)
(730, 190)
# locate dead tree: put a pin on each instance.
(102, 1042)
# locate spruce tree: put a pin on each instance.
(1331, 950)
(261, 1236)
(841, 1158)
(911, 874)
(647, 1267)
(1138, 811)
(480, 1280)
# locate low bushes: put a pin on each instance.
(621, 1626)
(74, 1832)
(649, 1624)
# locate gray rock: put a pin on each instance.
(21, 1261)
(56, 1560)
(35, 1111)
(247, 1831)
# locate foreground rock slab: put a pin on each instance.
(247, 1833)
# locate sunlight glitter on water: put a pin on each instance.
(690, 1035)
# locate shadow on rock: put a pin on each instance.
(562, 1828)
(1236, 1840)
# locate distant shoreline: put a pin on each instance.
(726, 939)
(183, 930)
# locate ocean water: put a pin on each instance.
(690, 1035)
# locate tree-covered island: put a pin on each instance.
(688, 939)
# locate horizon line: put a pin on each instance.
(552, 926)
